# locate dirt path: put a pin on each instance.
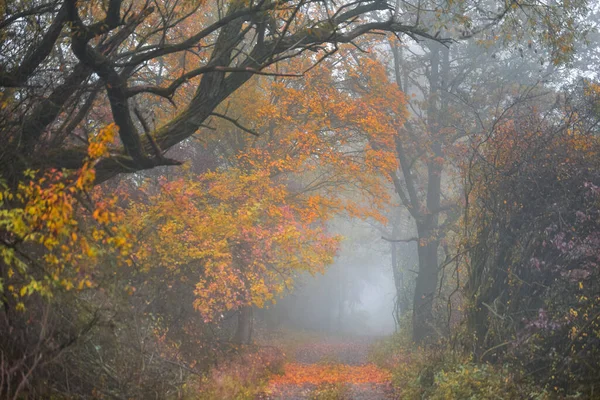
(331, 366)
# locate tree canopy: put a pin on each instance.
(68, 66)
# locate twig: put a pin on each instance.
(256, 71)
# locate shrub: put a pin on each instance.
(440, 373)
(534, 243)
(475, 381)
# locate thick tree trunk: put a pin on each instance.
(245, 326)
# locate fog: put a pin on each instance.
(355, 295)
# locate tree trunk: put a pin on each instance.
(427, 278)
(340, 315)
(398, 280)
(245, 326)
(425, 209)
(423, 323)
(428, 225)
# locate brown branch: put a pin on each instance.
(148, 134)
(32, 11)
(193, 40)
(236, 123)
(167, 92)
(114, 83)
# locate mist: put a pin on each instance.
(354, 296)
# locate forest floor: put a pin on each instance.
(331, 368)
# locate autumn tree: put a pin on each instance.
(253, 224)
(65, 75)
(67, 59)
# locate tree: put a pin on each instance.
(249, 227)
(65, 76)
(456, 94)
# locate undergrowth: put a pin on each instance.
(440, 373)
(243, 377)
(331, 391)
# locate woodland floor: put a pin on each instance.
(331, 364)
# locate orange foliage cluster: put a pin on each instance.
(238, 230)
(316, 374)
(248, 227)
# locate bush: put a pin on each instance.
(412, 367)
(478, 382)
(439, 373)
(534, 251)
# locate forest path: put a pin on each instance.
(331, 368)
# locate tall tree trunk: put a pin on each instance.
(245, 326)
(425, 211)
(428, 224)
